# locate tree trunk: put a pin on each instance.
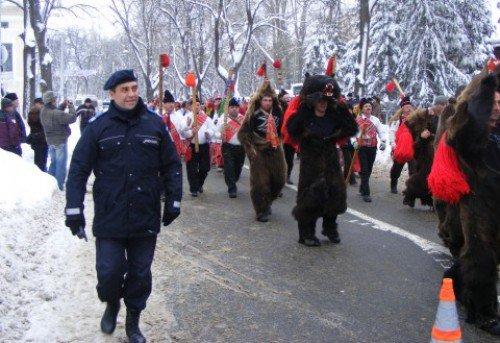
(40, 31)
(27, 53)
(364, 43)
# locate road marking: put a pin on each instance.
(431, 248)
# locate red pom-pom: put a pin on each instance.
(446, 181)
(262, 70)
(190, 79)
(404, 145)
(208, 104)
(277, 64)
(391, 86)
(330, 68)
(165, 60)
(492, 65)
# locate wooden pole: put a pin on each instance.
(160, 88)
(226, 104)
(355, 155)
(194, 108)
(400, 90)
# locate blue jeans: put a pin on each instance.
(58, 160)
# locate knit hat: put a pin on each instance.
(119, 77)
(38, 101)
(440, 100)
(364, 101)
(405, 101)
(11, 96)
(88, 101)
(234, 102)
(6, 102)
(168, 97)
(48, 97)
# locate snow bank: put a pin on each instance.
(22, 184)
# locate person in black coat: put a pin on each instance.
(36, 137)
(86, 112)
(320, 122)
(133, 159)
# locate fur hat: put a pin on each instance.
(119, 77)
(405, 101)
(168, 97)
(38, 101)
(48, 97)
(233, 102)
(317, 87)
(440, 100)
(6, 102)
(364, 101)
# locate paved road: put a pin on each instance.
(232, 279)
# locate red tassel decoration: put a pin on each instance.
(262, 70)
(391, 86)
(165, 60)
(331, 66)
(404, 144)
(277, 64)
(190, 80)
(446, 181)
(492, 65)
(292, 108)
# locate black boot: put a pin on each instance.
(394, 186)
(134, 334)
(490, 325)
(108, 320)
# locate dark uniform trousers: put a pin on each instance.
(41, 151)
(234, 158)
(124, 269)
(366, 159)
(198, 167)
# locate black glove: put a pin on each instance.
(169, 216)
(76, 222)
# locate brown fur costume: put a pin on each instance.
(267, 168)
(471, 228)
(416, 185)
(321, 189)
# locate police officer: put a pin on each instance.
(133, 158)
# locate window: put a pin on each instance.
(7, 66)
(5, 25)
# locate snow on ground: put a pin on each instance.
(47, 276)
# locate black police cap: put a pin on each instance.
(119, 77)
(233, 102)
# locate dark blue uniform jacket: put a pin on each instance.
(132, 160)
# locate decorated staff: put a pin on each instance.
(355, 154)
(164, 62)
(279, 77)
(191, 82)
(229, 93)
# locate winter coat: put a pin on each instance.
(133, 159)
(37, 134)
(22, 127)
(85, 113)
(56, 123)
(9, 130)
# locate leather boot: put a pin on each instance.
(134, 334)
(108, 320)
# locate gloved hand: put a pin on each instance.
(382, 146)
(169, 215)
(76, 222)
(356, 145)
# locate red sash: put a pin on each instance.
(233, 127)
(173, 133)
(272, 132)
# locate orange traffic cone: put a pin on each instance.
(446, 327)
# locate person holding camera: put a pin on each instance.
(55, 122)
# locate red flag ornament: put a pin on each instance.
(277, 64)
(165, 60)
(391, 86)
(190, 79)
(262, 70)
(330, 68)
